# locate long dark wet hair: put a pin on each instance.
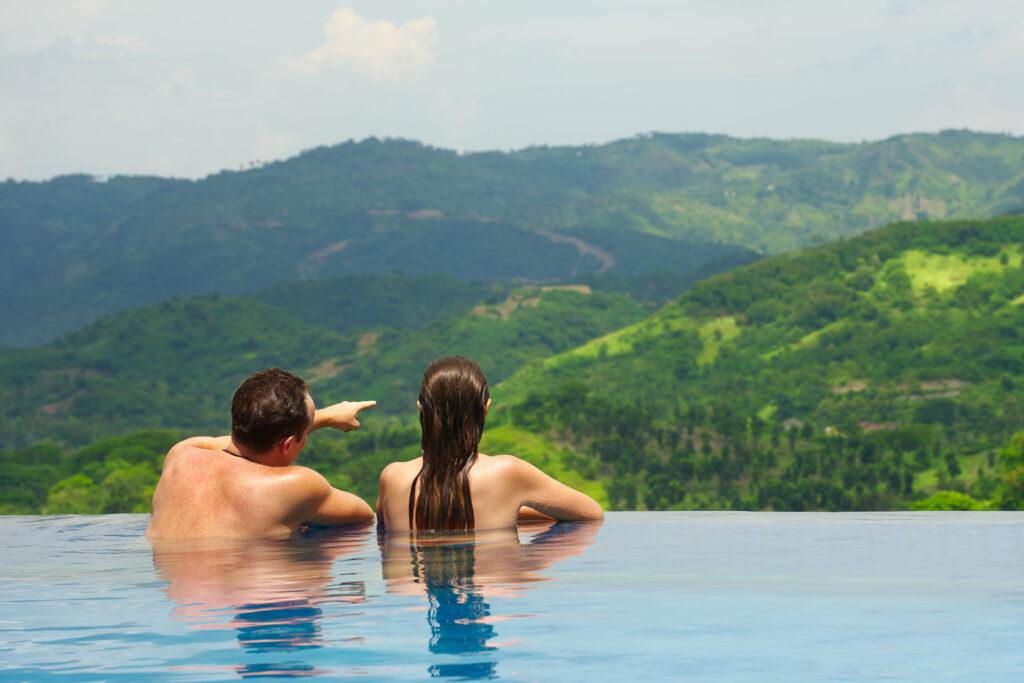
(453, 404)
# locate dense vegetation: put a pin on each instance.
(879, 372)
(175, 365)
(867, 374)
(74, 248)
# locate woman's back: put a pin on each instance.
(396, 482)
(499, 487)
(452, 486)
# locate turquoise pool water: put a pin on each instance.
(701, 596)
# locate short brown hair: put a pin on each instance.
(267, 407)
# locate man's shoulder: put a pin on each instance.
(184, 455)
(292, 475)
(296, 481)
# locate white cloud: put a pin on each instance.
(379, 49)
(179, 82)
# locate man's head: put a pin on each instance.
(269, 407)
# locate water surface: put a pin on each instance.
(707, 596)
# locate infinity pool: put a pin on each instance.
(703, 596)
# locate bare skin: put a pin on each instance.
(503, 488)
(214, 487)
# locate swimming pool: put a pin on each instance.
(703, 596)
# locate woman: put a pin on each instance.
(452, 486)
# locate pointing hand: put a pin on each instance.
(343, 416)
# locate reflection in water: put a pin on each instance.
(270, 590)
(457, 609)
(459, 572)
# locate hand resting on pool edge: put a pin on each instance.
(245, 484)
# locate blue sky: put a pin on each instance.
(187, 88)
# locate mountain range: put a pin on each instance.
(78, 247)
(652, 364)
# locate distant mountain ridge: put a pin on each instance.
(74, 248)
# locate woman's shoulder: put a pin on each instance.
(503, 464)
(401, 468)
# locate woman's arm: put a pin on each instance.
(548, 496)
(528, 514)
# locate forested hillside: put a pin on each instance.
(175, 365)
(880, 372)
(862, 375)
(75, 248)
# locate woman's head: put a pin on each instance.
(453, 403)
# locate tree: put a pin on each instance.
(952, 465)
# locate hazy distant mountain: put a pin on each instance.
(74, 248)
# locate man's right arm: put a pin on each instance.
(320, 504)
(343, 416)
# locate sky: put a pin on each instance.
(187, 88)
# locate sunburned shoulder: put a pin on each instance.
(186, 457)
(297, 474)
(184, 449)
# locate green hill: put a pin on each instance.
(860, 375)
(174, 366)
(75, 248)
(879, 372)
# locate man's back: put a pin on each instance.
(204, 493)
(210, 493)
(245, 484)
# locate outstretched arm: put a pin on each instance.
(343, 416)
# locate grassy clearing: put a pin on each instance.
(713, 334)
(622, 341)
(946, 271)
(809, 340)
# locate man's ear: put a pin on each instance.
(286, 444)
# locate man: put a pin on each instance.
(245, 484)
